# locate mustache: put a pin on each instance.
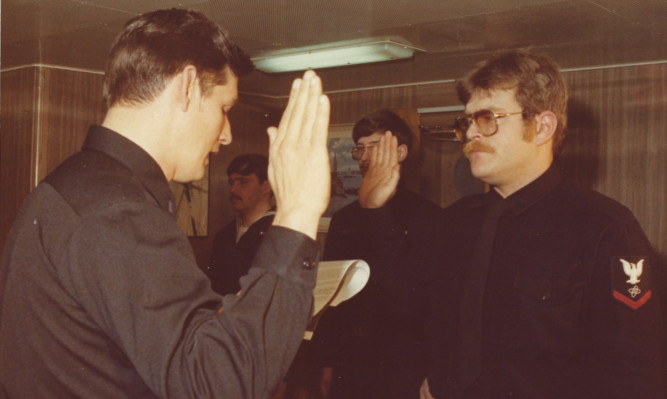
(233, 196)
(476, 146)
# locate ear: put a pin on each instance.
(266, 187)
(545, 127)
(187, 86)
(402, 152)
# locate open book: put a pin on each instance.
(337, 281)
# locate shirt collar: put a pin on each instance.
(142, 165)
(535, 191)
(526, 196)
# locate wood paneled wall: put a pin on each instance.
(616, 143)
(45, 115)
(19, 104)
(70, 102)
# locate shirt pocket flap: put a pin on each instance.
(548, 290)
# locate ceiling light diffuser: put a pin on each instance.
(334, 54)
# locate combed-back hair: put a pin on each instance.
(155, 46)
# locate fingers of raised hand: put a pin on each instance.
(385, 154)
(298, 151)
(386, 146)
(393, 150)
(313, 103)
(305, 99)
(321, 123)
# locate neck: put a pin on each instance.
(250, 217)
(148, 126)
(524, 179)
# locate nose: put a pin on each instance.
(473, 132)
(365, 154)
(225, 137)
(226, 134)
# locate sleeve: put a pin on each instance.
(399, 244)
(625, 327)
(369, 234)
(354, 233)
(134, 273)
(223, 263)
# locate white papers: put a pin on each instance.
(337, 281)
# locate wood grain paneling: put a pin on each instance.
(412, 165)
(71, 101)
(616, 142)
(19, 105)
(45, 116)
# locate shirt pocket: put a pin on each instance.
(547, 315)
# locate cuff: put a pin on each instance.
(290, 254)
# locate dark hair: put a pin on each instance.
(155, 46)
(250, 164)
(536, 77)
(381, 121)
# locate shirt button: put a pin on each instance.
(308, 263)
(546, 296)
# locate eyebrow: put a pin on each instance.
(372, 142)
(489, 108)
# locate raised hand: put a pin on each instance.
(381, 179)
(298, 158)
(424, 392)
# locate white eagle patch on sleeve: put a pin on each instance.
(633, 270)
(626, 285)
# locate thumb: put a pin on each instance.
(396, 172)
(272, 131)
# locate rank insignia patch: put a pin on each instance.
(631, 280)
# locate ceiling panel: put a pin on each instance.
(78, 33)
(32, 20)
(136, 7)
(267, 25)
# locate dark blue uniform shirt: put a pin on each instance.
(562, 315)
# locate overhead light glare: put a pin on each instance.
(333, 55)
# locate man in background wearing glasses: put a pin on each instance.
(375, 340)
(544, 290)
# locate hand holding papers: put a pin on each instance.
(337, 281)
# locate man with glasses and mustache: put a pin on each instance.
(375, 339)
(235, 245)
(544, 290)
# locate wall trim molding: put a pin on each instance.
(60, 67)
(354, 89)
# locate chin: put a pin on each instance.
(198, 177)
(479, 172)
(194, 176)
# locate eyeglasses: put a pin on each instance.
(359, 151)
(485, 120)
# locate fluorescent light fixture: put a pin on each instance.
(329, 55)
